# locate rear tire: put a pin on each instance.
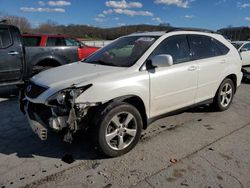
(117, 129)
(224, 95)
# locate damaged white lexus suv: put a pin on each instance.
(122, 88)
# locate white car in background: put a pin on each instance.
(244, 49)
(128, 84)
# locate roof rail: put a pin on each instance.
(189, 29)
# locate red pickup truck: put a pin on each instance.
(44, 40)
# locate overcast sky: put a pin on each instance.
(211, 14)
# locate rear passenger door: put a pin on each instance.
(210, 57)
(175, 86)
(11, 55)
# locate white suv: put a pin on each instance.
(244, 49)
(122, 88)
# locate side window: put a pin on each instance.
(206, 47)
(31, 41)
(55, 41)
(247, 46)
(72, 42)
(5, 38)
(222, 49)
(176, 46)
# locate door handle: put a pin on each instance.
(192, 68)
(13, 53)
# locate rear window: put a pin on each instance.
(5, 38)
(31, 41)
(56, 41)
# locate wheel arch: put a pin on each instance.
(48, 62)
(135, 101)
(233, 77)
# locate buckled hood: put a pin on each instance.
(74, 73)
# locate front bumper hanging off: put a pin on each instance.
(37, 126)
(42, 117)
(35, 123)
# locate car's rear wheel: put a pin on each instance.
(118, 129)
(224, 95)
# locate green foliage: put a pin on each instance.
(236, 33)
(90, 32)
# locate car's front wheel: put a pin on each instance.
(224, 95)
(118, 129)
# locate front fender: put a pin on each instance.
(106, 91)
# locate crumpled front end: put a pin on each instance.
(60, 112)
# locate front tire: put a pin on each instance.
(118, 129)
(224, 95)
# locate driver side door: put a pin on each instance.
(11, 53)
(173, 87)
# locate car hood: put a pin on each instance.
(74, 73)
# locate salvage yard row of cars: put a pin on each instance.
(119, 90)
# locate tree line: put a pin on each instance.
(90, 32)
(81, 31)
(236, 33)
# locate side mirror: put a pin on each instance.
(243, 49)
(162, 60)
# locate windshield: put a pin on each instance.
(122, 53)
(237, 45)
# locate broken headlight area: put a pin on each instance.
(67, 96)
(61, 113)
(65, 113)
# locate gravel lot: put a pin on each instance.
(196, 148)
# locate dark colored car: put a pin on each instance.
(18, 61)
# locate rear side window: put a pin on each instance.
(5, 38)
(221, 47)
(31, 41)
(55, 41)
(206, 47)
(176, 46)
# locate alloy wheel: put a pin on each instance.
(121, 130)
(226, 95)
